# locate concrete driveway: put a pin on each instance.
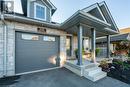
(58, 78)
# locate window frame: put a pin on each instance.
(48, 39)
(35, 16)
(27, 39)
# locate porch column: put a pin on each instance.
(80, 29)
(71, 45)
(93, 43)
(108, 46)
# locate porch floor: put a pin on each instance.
(84, 62)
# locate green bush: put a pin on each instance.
(97, 51)
(104, 65)
(76, 52)
(122, 64)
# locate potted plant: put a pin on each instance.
(97, 51)
(104, 65)
(76, 53)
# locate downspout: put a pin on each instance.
(4, 45)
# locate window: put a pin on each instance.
(40, 11)
(48, 38)
(30, 37)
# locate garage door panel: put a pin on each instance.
(34, 55)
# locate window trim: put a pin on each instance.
(30, 35)
(48, 39)
(37, 4)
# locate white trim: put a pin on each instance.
(101, 12)
(36, 4)
(36, 71)
(5, 50)
(45, 4)
(95, 18)
(14, 44)
(128, 37)
(109, 13)
(32, 20)
(87, 16)
(90, 8)
(28, 8)
(53, 7)
(50, 16)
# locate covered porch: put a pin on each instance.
(83, 25)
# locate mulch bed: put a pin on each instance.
(116, 70)
(119, 75)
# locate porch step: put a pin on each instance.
(94, 73)
(96, 76)
(90, 71)
(91, 65)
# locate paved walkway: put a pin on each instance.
(58, 78)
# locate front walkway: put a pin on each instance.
(58, 78)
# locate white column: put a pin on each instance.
(108, 46)
(71, 45)
(93, 44)
(80, 29)
(89, 43)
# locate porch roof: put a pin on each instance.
(114, 38)
(87, 21)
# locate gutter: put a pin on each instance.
(4, 45)
(31, 21)
(110, 30)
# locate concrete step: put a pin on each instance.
(92, 71)
(91, 65)
(96, 76)
(99, 75)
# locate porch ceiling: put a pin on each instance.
(87, 21)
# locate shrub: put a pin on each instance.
(104, 65)
(76, 52)
(122, 65)
(97, 51)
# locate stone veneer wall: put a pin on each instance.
(11, 26)
(75, 44)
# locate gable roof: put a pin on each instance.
(108, 14)
(101, 11)
(95, 8)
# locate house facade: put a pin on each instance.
(31, 42)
